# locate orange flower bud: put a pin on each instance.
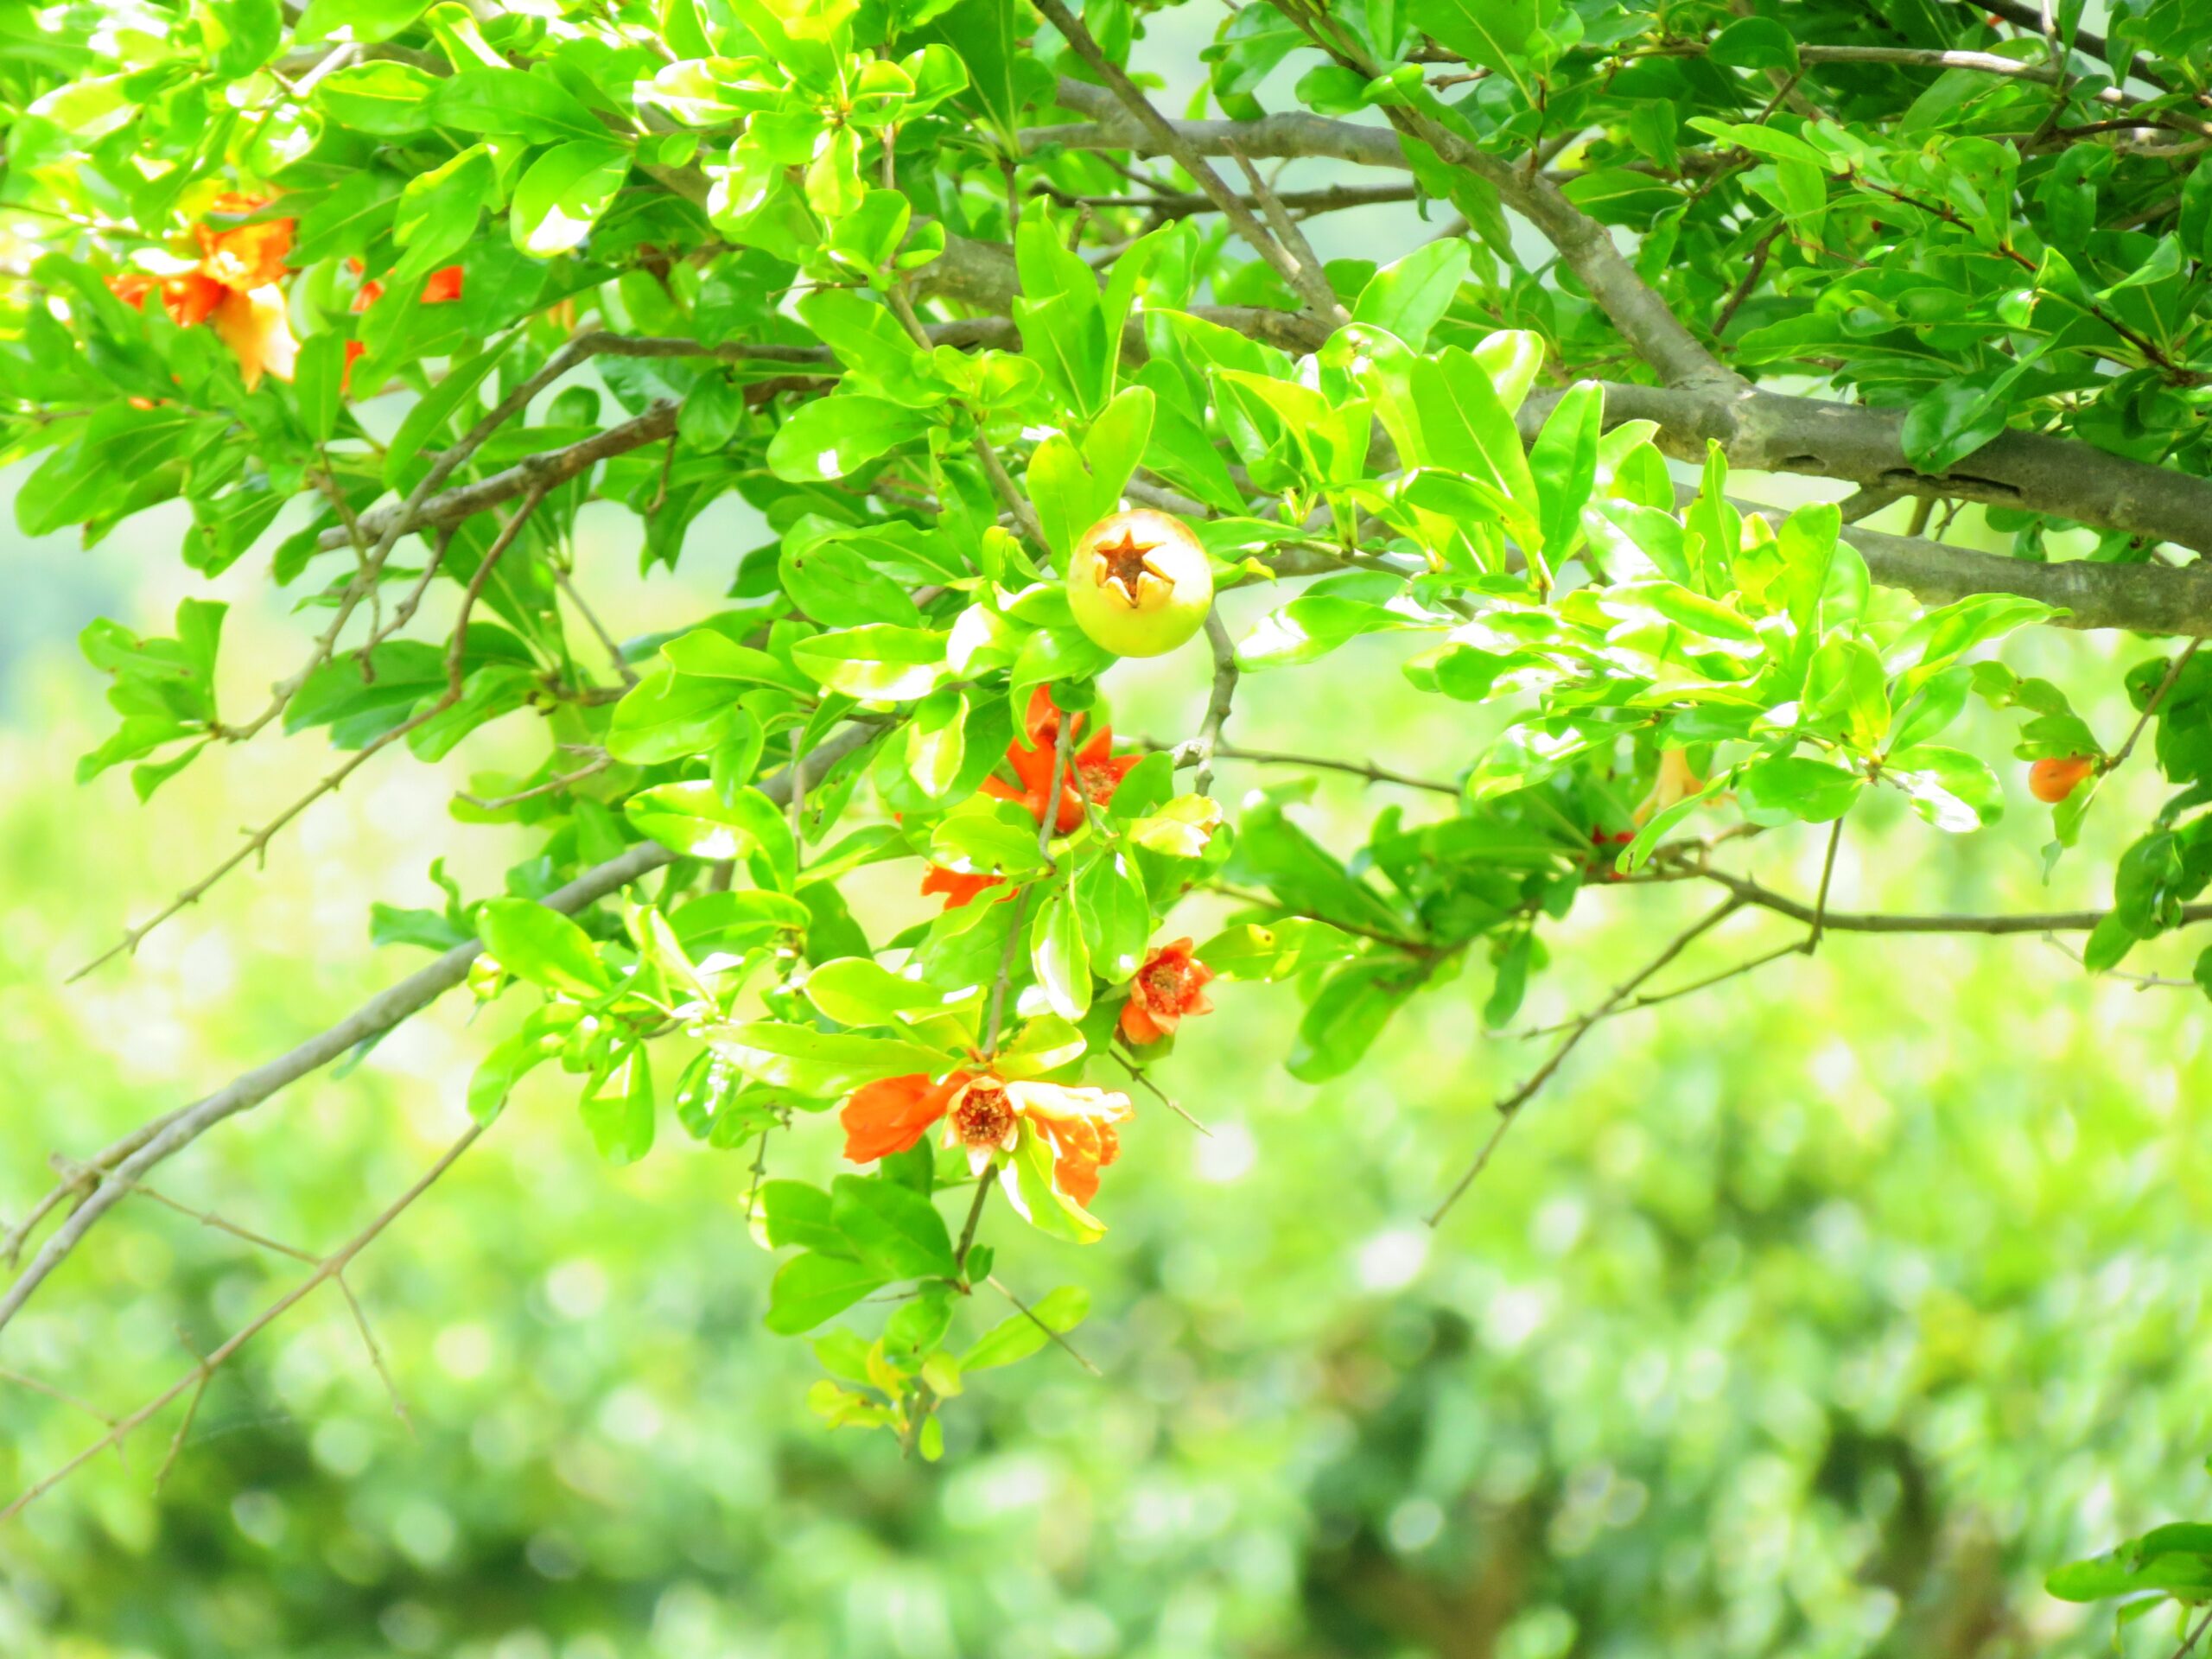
(2053, 780)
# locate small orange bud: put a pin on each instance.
(2053, 780)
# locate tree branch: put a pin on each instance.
(1749, 891)
(1509, 1106)
(331, 1266)
(373, 1018)
(1304, 276)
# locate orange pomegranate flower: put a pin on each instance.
(237, 286)
(188, 297)
(891, 1116)
(1080, 1125)
(959, 889)
(984, 1115)
(1095, 771)
(1171, 984)
(245, 256)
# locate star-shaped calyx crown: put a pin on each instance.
(1124, 565)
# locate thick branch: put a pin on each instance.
(2064, 478)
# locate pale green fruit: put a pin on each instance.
(1139, 583)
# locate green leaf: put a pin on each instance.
(1346, 1017)
(541, 946)
(1410, 297)
(808, 1289)
(1036, 1192)
(1797, 784)
(1951, 788)
(880, 662)
(1046, 1044)
(983, 837)
(563, 193)
(511, 103)
(734, 921)
(1021, 1335)
(793, 1212)
(1947, 424)
(860, 991)
(821, 1062)
(620, 1115)
(1754, 43)
(839, 434)
(504, 1065)
(390, 101)
(1563, 462)
(896, 1229)
(1116, 918)
(692, 818)
(1059, 957)
(1182, 829)
(1492, 33)
(366, 21)
(456, 389)
(936, 741)
(1278, 950)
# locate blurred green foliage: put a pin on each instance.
(1820, 1314)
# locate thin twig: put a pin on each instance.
(1820, 899)
(1753, 268)
(1307, 281)
(329, 1268)
(607, 642)
(53, 1392)
(376, 1353)
(2157, 699)
(1373, 773)
(2063, 921)
(1796, 947)
(1143, 1080)
(1024, 1309)
(550, 786)
(258, 840)
(2141, 981)
(1508, 1108)
(1218, 705)
(984, 1183)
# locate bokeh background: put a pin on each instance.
(1819, 1314)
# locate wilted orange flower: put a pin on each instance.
(1083, 1126)
(1677, 781)
(1171, 984)
(983, 1114)
(958, 887)
(1095, 772)
(237, 284)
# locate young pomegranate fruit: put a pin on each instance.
(1139, 583)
